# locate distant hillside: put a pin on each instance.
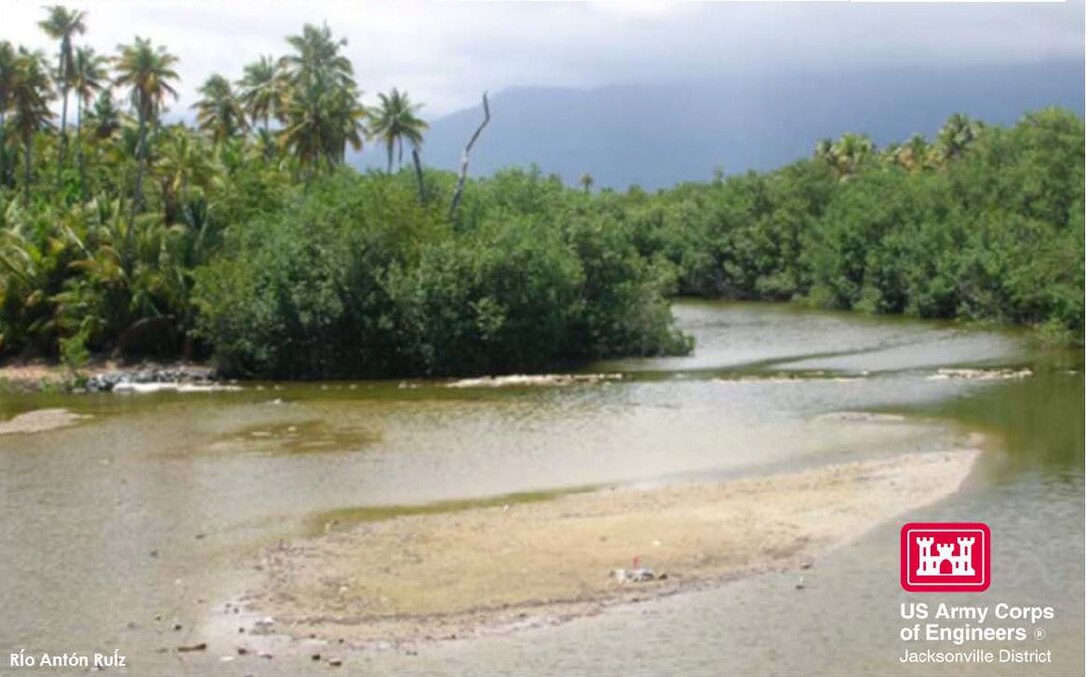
(658, 135)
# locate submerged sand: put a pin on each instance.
(39, 420)
(491, 569)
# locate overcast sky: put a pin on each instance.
(446, 53)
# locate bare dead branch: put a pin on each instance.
(464, 159)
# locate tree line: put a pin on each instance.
(244, 237)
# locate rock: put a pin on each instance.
(265, 655)
(242, 651)
(177, 626)
(335, 662)
(806, 565)
(315, 657)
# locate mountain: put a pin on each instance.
(659, 135)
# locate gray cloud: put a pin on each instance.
(446, 53)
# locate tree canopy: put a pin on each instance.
(244, 238)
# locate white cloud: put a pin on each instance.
(446, 53)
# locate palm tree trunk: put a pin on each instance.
(389, 152)
(3, 148)
(267, 150)
(141, 158)
(419, 176)
(79, 150)
(26, 170)
(138, 193)
(63, 146)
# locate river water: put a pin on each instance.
(146, 515)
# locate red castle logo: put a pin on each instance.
(944, 557)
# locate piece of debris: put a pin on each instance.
(800, 583)
(335, 662)
(636, 574)
(315, 657)
(193, 647)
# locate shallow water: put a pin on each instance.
(154, 505)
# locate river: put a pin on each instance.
(145, 516)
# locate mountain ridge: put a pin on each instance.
(740, 122)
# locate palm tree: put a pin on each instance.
(88, 78)
(348, 117)
(218, 111)
(262, 90)
(322, 113)
(850, 152)
(317, 58)
(914, 154)
(61, 24)
(30, 98)
(308, 132)
(824, 151)
(185, 162)
(105, 116)
(147, 72)
(394, 121)
(958, 133)
(7, 78)
(586, 180)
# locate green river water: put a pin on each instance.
(154, 506)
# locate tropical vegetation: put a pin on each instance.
(237, 232)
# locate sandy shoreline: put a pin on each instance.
(486, 570)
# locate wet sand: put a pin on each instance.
(39, 420)
(496, 569)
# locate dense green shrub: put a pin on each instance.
(356, 279)
(289, 274)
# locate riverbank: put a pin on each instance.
(101, 375)
(497, 569)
